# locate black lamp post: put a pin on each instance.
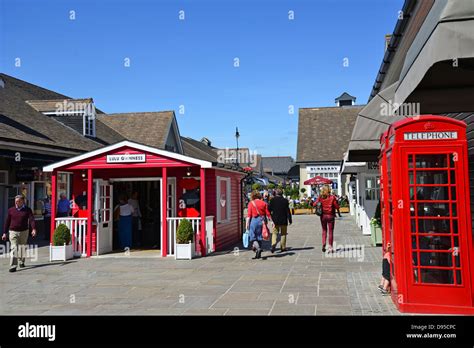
(237, 135)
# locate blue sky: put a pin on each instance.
(190, 62)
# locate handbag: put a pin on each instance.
(245, 239)
(319, 209)
(265, 231)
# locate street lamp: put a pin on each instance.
(237, 135)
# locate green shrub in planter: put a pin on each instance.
(62, 235)
(185, 232)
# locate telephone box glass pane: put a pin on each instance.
(415, 259)
(436, 259)
(439, 276)
(455, 226)
(432, 177)
(454, 210)
(437, 193)
(453, 193)
(434, 243)
(458, 278)
(433, 209)
(431, 161)
(453, 177)
(433, 226)
(410, 161)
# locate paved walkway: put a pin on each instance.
(302, 281)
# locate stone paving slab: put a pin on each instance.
(301, 281)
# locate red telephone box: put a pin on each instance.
(426, 215)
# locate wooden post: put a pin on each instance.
(54, 204)
(164, 212)
(203, 211)
(90, 182)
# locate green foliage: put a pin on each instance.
(62, 235)
(271, 186)
(185, 232)
(256, 186)
(303, 205)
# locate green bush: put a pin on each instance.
(271, 186)
(62, 235)
(256, 187)
(185, 232)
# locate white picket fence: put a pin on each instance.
(173, 223)
(78, 228)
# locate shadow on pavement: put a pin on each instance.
(45, 265)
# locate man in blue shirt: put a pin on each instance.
(63, 206)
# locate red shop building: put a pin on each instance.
(171, 187)
(426, 215)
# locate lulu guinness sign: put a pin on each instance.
(127, 158)
(430, 136)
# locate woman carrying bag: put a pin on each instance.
(256, 224)
(327, 204)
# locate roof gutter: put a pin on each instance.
(400, 27)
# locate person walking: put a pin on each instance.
(136, 216)
(125, 223)
(330, 206)
(19, 220)
(292, 206)
(64, 206)
(266, 196)
(281, 216)
(47, 217)
(257, 214)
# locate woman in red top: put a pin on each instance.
(330, 205)
(257, 213)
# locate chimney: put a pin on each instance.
(206, 141)
(388, 37)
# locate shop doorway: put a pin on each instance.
(146, 230)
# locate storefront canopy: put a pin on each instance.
(446, 34)
(371, 122)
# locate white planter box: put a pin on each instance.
(60, 253)
(184, 251)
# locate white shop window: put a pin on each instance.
(223, 199)
(372, 188)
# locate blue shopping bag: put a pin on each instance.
(245, 239)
